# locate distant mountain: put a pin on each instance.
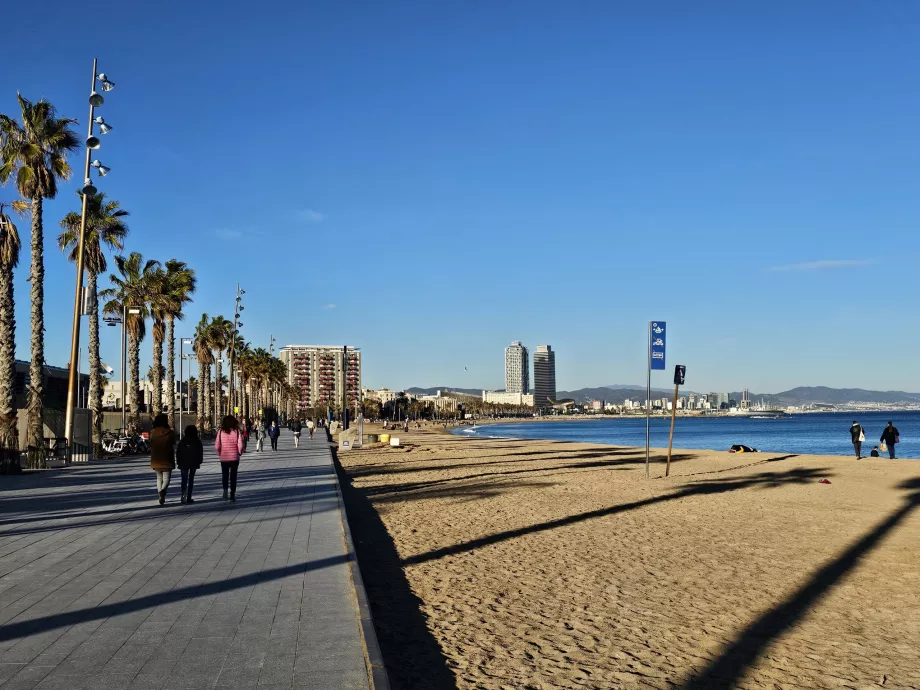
(615, 396)
(623, 387)
(433, 391)
(837, 396)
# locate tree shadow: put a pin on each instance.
(412, 656)
(740, 655)
(699, 488)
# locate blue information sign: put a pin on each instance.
(657, 343)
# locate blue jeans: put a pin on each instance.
(188, 481)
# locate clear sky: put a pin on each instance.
(432, 180)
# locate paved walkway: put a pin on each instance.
(100, 587)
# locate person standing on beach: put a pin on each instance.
(189, 456)
(890, 436)
(162, 458)
(229, 446)
(857, 436)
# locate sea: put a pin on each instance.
(821, 433)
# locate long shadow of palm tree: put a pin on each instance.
(740, 655)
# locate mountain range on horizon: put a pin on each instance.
(801, 395)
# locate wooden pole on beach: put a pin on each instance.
(667, 468)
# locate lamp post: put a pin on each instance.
(92, 143)
(182, 341)
(217, 392)
(237, 324)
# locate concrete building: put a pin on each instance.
(317, 371)
(507, 398)
(439, 402)
(384, 395)
(544, 376)
(517, 368)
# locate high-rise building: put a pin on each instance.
(317, 372)
(517, 368)
(544, 376)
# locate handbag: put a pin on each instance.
(862, 436)
(883, 447)
(897, 439)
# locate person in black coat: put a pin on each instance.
(890, 436)
(189, 455)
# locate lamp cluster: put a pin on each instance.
(92, 141)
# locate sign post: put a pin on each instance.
(656, 348)
(680, 374)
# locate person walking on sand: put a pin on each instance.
(310, 427)
(189, 455)
(162, 458)
(259, 429)
(229, 445)
(296, 427)
(890, 436)
(857, 436)
(273, 433)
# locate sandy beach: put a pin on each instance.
(537, 564)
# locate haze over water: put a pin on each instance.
(818, 433)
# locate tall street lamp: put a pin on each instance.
(217, 393)
(92, 143)
(237, 324)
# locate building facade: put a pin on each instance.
(517, 368)
(506, 398)
(544, 376)
(321, 371)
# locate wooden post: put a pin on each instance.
(667, 469)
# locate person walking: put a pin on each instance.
(857, 436)
(162, 458)
(259, 430)
(229, 446)
(189, 456)
(310, 427)
(296, 428)
(273, 433)
(890, 436)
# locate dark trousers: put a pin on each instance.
(858, 446)
(891, 451)
(228, 470)
(188, 481)
(275, 443)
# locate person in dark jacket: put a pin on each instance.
(274, 431)
(162, 457)
(890, 436)
(857, 436)
(189, 455)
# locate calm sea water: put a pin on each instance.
(820, 433)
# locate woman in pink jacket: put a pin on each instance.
(229, 446)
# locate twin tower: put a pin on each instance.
(517, 373)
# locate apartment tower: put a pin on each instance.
(318, 373)
(517, 368)
(544, 376)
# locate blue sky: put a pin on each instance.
(430, 181)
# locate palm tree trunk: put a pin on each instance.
(95, 373)
(134, 366)
(9, 436)
(218, 401)
(158, 372)
(171, 369)
(204, 396)
(36, 430)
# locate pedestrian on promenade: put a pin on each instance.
(189, 456)
(229, 445)
(244, 430)
(162, 459)
(273, 433)
(296, 427)
(259, 430)
(890, 436)
(857, 436)
(310, 427)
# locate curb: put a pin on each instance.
(379, 678)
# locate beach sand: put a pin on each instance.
(536, 564)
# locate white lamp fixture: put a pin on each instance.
(103, 170)
(103, 127)
(106, 84)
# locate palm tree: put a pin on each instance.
(132, 289)
(205, 359)
(221, 339)
(105, 227)
(180, 284)
(36, 153)
(192, 383)
(9, 258)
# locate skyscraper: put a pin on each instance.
(544, 376)
(517, 368)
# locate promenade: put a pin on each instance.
(100, 587)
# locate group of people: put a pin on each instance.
(890, 437)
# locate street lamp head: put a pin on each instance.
(239, 324)
(242, 291)
(96, 99)
(103, 171)
(93, 143)
(88, 188)
(241, 307)
(106, 84)
(103, 127)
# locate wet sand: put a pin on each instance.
(537, 564)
